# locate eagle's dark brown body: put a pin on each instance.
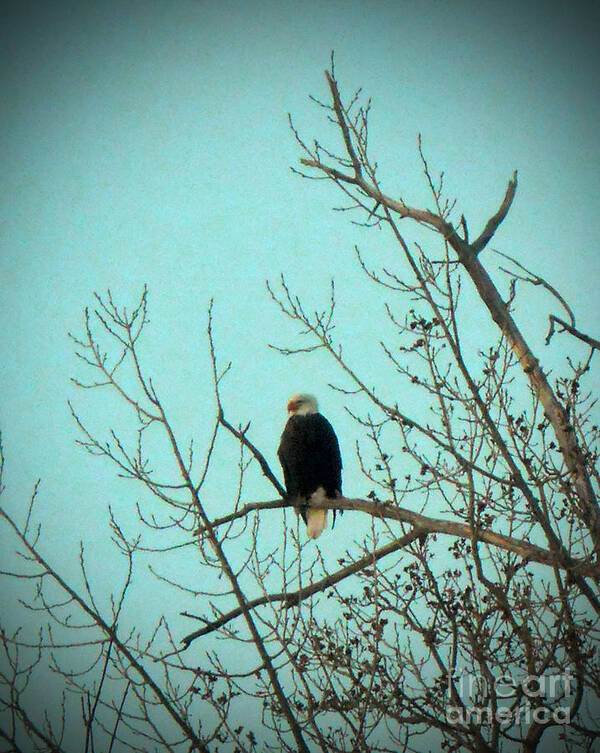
(310, 456)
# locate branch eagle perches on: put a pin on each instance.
(424, 525)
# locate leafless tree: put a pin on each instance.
(466, 615)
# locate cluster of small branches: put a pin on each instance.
(479, 560)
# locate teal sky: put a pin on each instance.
(147, 142)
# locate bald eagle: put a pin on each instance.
(310, 457)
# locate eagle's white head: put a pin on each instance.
(301, 404)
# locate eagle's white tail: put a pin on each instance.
(316, 520)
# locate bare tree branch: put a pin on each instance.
(591, 341)
(494, 222)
